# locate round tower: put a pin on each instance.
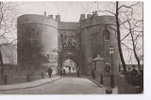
(37, 39)
(99, 45)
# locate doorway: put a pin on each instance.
(69, 66)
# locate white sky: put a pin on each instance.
(69, 11)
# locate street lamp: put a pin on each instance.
(111, 51)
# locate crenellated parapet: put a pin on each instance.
(93, 20)
(37, 19)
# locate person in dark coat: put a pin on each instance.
(49, 72)
(64, 71)
(134, 74)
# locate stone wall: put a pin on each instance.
(18, 74)
(9, 53)
(37, 44)
(37, 38)
(93, 42)
(40, 36)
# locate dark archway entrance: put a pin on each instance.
(73, 57)
(69, 48)
(70, 66)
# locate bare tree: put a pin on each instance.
(7, 27)
(133, 42)
(119, 35)
(134, 33)
(126, 29)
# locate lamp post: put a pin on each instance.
(111, 51)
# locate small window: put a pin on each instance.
(106, 35)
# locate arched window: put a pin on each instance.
(106, 35)
(107, 67)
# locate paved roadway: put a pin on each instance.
(66, 85)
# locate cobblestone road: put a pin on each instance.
(66, 85)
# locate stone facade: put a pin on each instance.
(9, 53)
(93, 36)
(37, 38)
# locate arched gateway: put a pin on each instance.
(69, 44)
(70, 54)
(81, 41)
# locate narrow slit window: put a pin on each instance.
(106, 34)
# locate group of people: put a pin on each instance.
(135, 77)
(62, 71)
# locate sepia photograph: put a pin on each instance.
(78, 47)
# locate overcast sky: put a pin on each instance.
(69, 11)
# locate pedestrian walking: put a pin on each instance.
(64, 71)
(50, 72)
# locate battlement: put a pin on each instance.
(94, 19)
(53, 17)
(87, 16)
(37, 19)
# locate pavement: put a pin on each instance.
(57, 85)
(28, 84)
(114, 90)
(65, 85)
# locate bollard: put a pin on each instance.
(5, 79)
(112, 81)
(101, 79)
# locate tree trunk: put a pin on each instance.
(119, 37)
(1, 64)
(134, 46)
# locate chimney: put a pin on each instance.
(50, 16)
(58, 19)
(82, 17)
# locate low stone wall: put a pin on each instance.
(15, 74)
